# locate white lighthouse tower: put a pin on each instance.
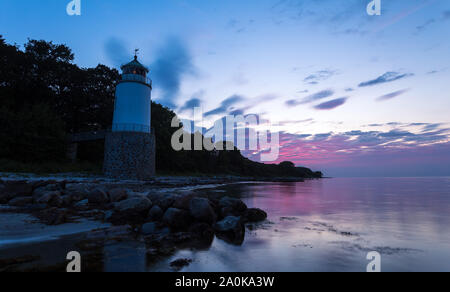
(132, 110)
(130, 146)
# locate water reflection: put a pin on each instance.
(331, 224)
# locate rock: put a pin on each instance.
(133, 210)
(98, 197)
(78, 191)
(53, 216)
(134, 205)
(236, 205)
(82, 205)
(154, 228)
(12, 189)
(164, 201)
(52, 198)
(183, 202)
(180, 263)
(228, 211)
(254, 215)
(108, 216)
(148, 228)
(231, 229)
(45, 189)
(155, 213)
(66, 201)
(42, 183)
(203, 231)
(201, 210)
(136, 195)
(21, 201)
(176, 218)
(117, 195)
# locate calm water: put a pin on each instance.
(331, 225)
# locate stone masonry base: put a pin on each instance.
(129, 155)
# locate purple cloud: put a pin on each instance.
(311, 98)
(385, 78)
(225, 105)
(392, 95)
(318, 76)
(332, 104)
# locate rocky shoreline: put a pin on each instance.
(166, 214)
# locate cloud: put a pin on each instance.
(294, 122)
(422, 27)
(431, 127)
(117, 51)
(385, 78)
(446, 14)
(311, 98)
(318, 76)
(392, 95)
(366, 152)
(225, 105)
(193, 102)
(239, 26)
(332, 104)
(239, 111)
(172, 63)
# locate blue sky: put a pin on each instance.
(352, 94)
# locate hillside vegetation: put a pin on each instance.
(45, 96)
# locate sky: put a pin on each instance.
(350, 94)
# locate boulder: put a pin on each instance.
(53, 216)
(254, 215)
(66, 200)
(12, 189)
(155, 213)
(133, 210)
(148, 228)
(82, 205)
(98, 197)
(201, 210)
(21, 201)
(132, 194)
(203, 232)
(42, 183)
(78, 191)
(154, 228)
(233, 204)
(176, 218)
(117, 195)
(183, 201)
(108, 216)
(45, 189)
(180, 263)
(164, 201)
(228, 211)
(231, 229)
(52, 198)
(134, 205)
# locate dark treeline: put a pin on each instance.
(44, 97)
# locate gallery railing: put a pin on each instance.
(139, 78)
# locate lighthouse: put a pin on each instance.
(130, 146)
